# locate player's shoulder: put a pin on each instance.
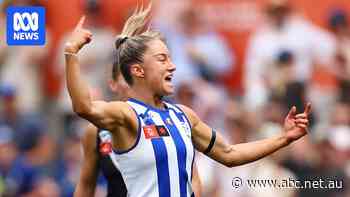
(185, 109)
(190, 114)
(129, 114)
(125, 110)
(121, 105)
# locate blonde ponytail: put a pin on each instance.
(136, 23)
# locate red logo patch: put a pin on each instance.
(150, 131)
(162, 131)
(105, 148)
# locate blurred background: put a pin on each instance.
(241, 64)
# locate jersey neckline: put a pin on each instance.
(166, 109)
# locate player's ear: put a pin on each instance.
(137, 70)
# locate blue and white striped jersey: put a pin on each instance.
(161, 161)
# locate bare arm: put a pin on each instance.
(106, 115)
(295, 127)
(89, 173)
(196, 182)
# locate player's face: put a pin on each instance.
(158, 68)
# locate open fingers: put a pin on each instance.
(306, 112)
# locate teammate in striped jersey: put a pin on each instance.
(153, 140)
(95, 157)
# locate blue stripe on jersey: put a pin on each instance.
(162, 166)
(182, 117)
(181, 153)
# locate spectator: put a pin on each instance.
(8, 154)
(9, 112)
(37, 149)
(338, 23)
(283, 85)
(24, 64)
(11, 115)
(283, 30)
(206, 55)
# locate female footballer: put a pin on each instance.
(154, 140)
(98, 155)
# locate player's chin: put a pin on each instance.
(168, 89)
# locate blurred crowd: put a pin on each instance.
(288, 62)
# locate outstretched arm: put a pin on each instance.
(295, 127)
(102, 114)
(89, 173)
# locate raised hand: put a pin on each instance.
(296, 125)
(78, 38)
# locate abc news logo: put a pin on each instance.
(25, 25)
(29, 29)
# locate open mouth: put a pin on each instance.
(168, 78)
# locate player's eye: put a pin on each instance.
(162, 59)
